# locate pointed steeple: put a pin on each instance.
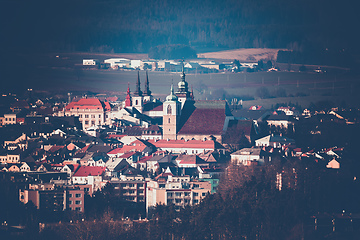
(182, 85)
(147, 91)
(182, 73)
(128, 97)
(138, 91)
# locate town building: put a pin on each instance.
(91, 112)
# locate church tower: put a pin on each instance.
(128, 98)
(171, 116)
(183, 93)
(137, 99)
(147, 92)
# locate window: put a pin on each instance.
(203, 194)
(136, 102)
(78, 195)
(70, 202)
(169, 194)
(131, 185)
(92, 122)
(196, 194)
(99, 116)
(86, 116)
(86, 122)
(92, 116)
(77, 202)
(70, 195)
(131, 191)
(78, 209)
(169, 120)
(196, 201)
(186, 194)
(80, 115)
(178, 194)
(86, 189)
(168, 111)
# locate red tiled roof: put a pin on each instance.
(85, 171)
(87, 103)
(107, 106)
(236, 130)
(84, 149)
(115, 135)
(112, 99)
(127, 155)
(190, 159)
(136, 146)
(183, 144)
(55, 148)
(163, 175)
(115, 151)
(204, 121)
(145, 159)
(158, 108)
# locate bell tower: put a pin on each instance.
(138, 99)
(183, 93)
(147, 92)
(171, 115)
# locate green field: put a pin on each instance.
(59, 75)
(299, 87)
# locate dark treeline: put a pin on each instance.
(136, 26)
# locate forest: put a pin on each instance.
(136, 26)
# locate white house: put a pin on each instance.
(90, 62)
(247, 156)
(274, 141)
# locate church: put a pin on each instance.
(182, 116)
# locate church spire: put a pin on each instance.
(183, 85)
(147, 91)
(128, 97)
(138, 91)
(182, 73)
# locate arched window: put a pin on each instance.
(169, 109)
(169, 120)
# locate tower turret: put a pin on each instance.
(138, 99)
(171, 115)
(138, 91)
(128, 97)
(147, 91)
(183, 93)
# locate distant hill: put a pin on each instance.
(243, 55)
(136, 26)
